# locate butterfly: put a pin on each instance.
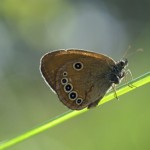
(81, 78)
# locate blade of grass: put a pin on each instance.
(70, 114)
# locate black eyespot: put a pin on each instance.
(73, 95)
(68, 87)
(79, 101)
(65, 73)
(78, 66)
(64, 81)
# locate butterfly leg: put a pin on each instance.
(114, 88)
(129, 72)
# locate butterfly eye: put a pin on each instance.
(65, 73)
(73, 95)
(122, 63)
(79, 101)
(64, 81)
(68, 87)
(78, 66)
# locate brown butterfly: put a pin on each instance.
(81, 78)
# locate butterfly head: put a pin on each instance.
(122, 64)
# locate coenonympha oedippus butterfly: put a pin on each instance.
(81, 78)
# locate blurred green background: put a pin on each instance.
(31, 28)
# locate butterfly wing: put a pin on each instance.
(88, 84)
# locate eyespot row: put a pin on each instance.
(68, 88)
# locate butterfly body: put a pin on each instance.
(80, 78)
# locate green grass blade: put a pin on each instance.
(70, 114)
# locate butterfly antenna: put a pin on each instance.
(126, 52)
(127, 55)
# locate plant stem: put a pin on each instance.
(142, 80)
